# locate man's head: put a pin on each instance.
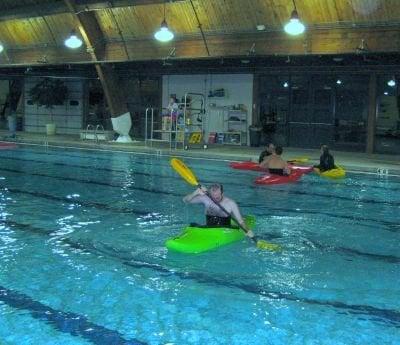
(216, 191)
(271, 148)
(278, 150)
(324, 149)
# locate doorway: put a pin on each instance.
(312, 111)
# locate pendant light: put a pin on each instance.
(392, 82)
(73, 41)
(295, 26)
(164, 34)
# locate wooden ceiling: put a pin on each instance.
(33, 32)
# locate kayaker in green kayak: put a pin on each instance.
(215, 216)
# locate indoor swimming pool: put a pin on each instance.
(83, 259)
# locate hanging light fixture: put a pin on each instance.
(295, 26)
(164, 34)
(392, 82)
(73, 41)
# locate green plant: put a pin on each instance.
(48, 93)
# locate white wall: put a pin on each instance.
(238, 90)
(67, 117)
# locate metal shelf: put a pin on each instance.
(175, 129)
(237, 129)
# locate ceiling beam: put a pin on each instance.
(95, 46)
(313, 43)
(269, 44)
(59, 7)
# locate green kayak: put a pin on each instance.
(195, 240)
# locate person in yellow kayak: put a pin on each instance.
(215, 215)
(326, 161)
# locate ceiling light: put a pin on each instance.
(295, 26)
(285, 84)
(164, 34)
(1, 47)
(391, 82)
(338, 82)
(386, 93)
(73, 41)
(260, 27)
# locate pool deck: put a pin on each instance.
(352, 161)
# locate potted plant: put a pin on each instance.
(48, 93)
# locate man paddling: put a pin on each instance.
(215, 215)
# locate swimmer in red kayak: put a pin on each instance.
(275, 164)
(267, 152)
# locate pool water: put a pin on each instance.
(83, 259)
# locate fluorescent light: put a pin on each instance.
(295, 26)
(164, 34)
(73, 41)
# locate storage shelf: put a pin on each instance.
(236, 134)
(179, 128)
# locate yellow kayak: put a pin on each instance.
(335, 173)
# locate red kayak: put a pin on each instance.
(279, 179)
(246, 165)
(249, 165)
(7, 146)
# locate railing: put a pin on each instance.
(46, 143)
(382, 172)
(99, 130)
(89, 127)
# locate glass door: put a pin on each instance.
(300, 119)
(322, 112)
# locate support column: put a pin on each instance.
(256, 100)
(114, 93)
(371, 121)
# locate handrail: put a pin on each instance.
(145, 126)
(99, 127)
(88, 128)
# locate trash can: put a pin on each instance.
(12, 125)
(255, 135)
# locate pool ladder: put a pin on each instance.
(382, 172)
(89, 127)
(99, 129)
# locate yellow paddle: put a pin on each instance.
(189, 177)
(298, 160)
